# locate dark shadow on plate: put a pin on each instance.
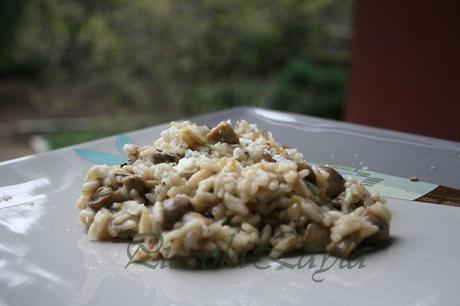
(370, 249)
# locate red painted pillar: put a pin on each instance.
(405, 72)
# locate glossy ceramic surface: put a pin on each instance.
(47, 259)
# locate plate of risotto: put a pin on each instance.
(234, 207)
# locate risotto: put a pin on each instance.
(198, 189)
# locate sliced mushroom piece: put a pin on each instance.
(311, 177)
(135, 186)
(223, 132)
(337, 202)
(161, 157)
(336, 183)
(134, 182)
(174, 210)
(101, 198)
(316, 238)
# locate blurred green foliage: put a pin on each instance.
(64, 139)
(182, 56)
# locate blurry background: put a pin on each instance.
(72, 71)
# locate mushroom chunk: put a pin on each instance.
(223, 132)
(337, 203)
(134, 182)
(161, 157)
(336, 183)
(316, 238)
(101, 198)
(311, 177)
(174, 210)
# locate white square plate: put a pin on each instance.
(47, 259)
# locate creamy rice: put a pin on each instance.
(202, 188)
